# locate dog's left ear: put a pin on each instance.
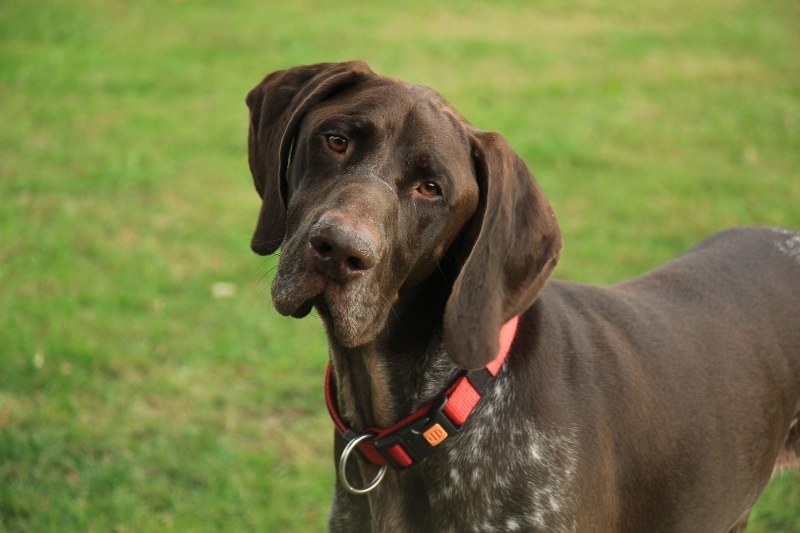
(515, 250)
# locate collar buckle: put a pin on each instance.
(417, 439)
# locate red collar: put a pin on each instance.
(414, 437)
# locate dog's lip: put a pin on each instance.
(295, 297)
(295, 304)
(304, 309)
(302, 302)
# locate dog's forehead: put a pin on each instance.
(393, 104)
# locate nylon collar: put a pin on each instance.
(413, 438)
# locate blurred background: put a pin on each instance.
(146, 383)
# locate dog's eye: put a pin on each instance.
(429, 189)
(336, 143)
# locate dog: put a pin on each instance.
(471, 393)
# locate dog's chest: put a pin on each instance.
(504, 474)
(500, 474)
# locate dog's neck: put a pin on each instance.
(404, 367)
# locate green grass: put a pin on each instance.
(133, 399)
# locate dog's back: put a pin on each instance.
(709, 338)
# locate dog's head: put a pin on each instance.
(369, 183)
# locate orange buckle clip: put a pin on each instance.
(435, 435)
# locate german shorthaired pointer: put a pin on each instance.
(470, 393)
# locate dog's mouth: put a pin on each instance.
(318, 302)
(305, 308)
(351, 316)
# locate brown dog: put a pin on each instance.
(660, 404)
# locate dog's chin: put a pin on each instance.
(344, 327)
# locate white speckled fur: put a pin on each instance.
(536, 467)
(788, 243)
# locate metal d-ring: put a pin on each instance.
(343, 468)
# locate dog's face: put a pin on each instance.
(367, 184)
(380, 183)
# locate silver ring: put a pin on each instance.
(343, 468)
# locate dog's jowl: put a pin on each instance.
(471, 393)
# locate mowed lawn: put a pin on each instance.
(146, 383)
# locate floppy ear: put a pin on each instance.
(515, 250)
(277, 105)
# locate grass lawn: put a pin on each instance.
(146, 382)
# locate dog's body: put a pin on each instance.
(660, 404)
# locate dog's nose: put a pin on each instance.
(342, 248)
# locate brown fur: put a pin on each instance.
(661, 404)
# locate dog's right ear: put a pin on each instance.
(277, 105)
